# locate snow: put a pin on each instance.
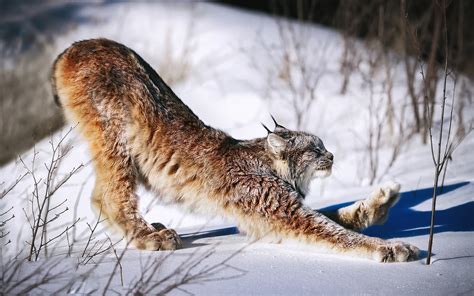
(225, 90)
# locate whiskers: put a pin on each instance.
(339, 176)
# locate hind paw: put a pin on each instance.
(164, 239)
(380, 201)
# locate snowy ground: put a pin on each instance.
(225, 90)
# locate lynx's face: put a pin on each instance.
(299, 157)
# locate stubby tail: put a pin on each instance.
(55, 95)
(53, 80)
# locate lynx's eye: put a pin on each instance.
(312, 154)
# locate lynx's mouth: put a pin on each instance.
(322, 173)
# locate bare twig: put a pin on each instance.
(440, 156)
(192, 271)
(293, 66)
(13, 185)
(41, 196)
(118, 264)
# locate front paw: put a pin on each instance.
(396, 252)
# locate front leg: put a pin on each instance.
(279, 209)
(370, 211)
(312, 227)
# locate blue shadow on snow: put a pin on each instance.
(403, 221)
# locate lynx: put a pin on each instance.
(140, 132)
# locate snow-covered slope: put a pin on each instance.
(224, 88)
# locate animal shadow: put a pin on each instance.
(189, 238)
(404, 221)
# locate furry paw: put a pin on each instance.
(391, 191)
(170, 239)
(396, 252)
(380, 201)
(386, 194)
(165, 239)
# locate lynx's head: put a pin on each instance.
(298, 157)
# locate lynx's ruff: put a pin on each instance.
(138, 130)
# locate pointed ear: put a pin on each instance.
(276, 143)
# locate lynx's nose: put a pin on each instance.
(330, 156)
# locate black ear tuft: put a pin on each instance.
(278, 127)
(266, 128)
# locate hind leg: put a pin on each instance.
(114, 196)
(370, 211)
(97, 101)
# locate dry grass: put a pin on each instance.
(27, 109)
